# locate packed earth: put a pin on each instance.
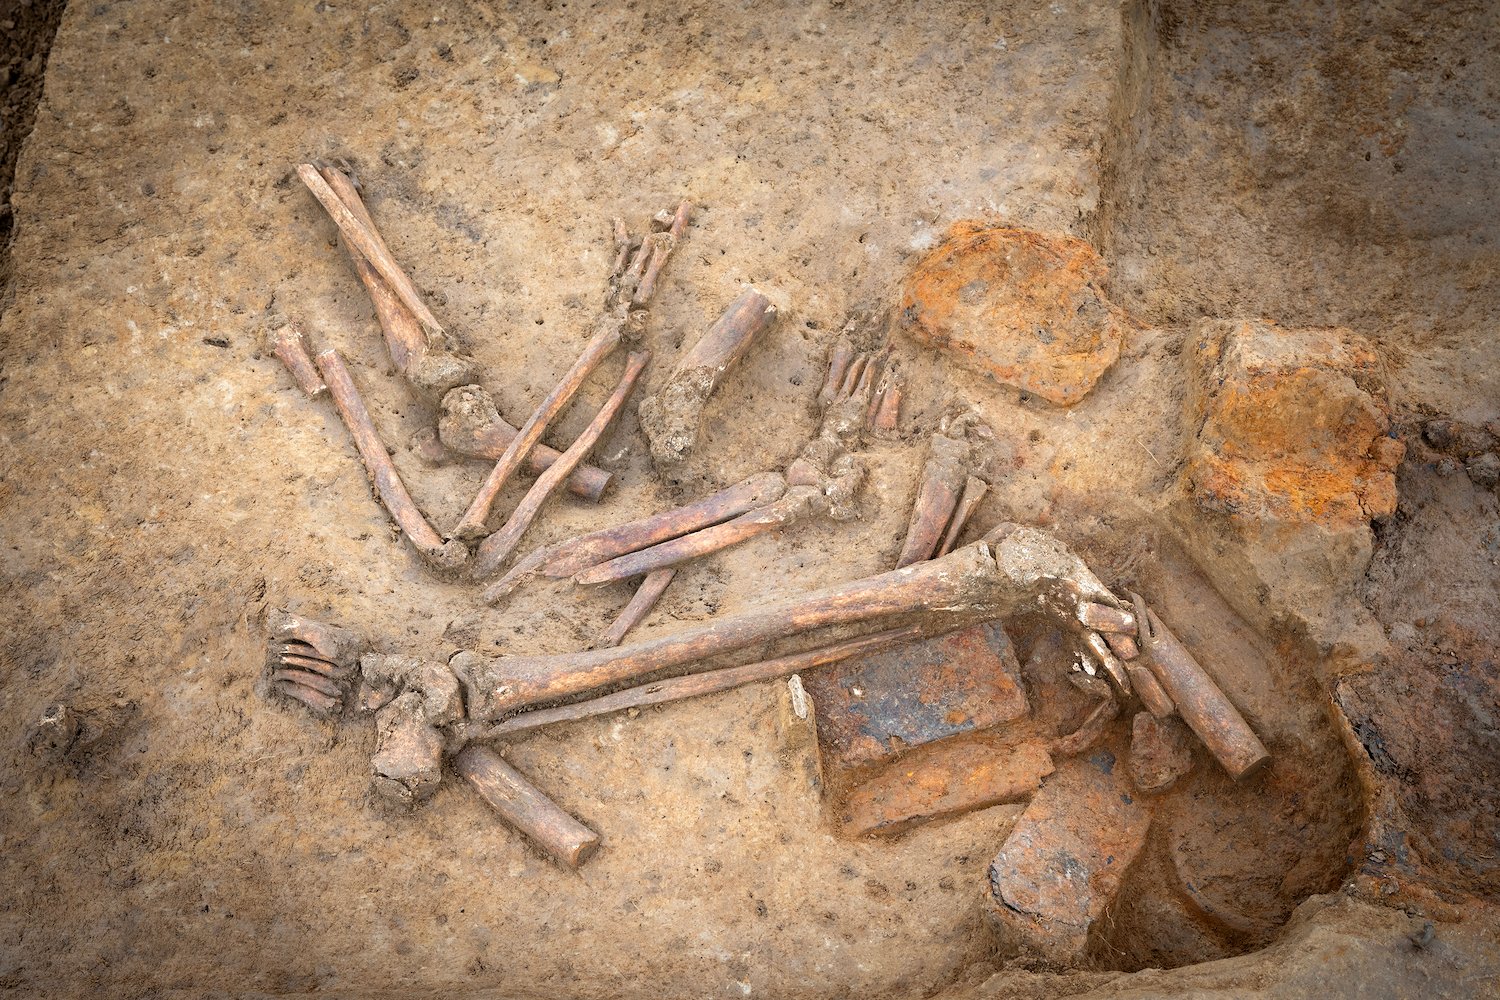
(832, 500)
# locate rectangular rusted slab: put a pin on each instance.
(874, 707)
(1065, 859)
(945, 780)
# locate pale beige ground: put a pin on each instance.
(164, 484)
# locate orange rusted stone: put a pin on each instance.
(950, 778)
(1292, 425)
(1025, 308)
(1065, 859)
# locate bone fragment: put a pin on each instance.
(887, 419)
(943, 476)
(293, 350)
(1122, 646)
(640, 605)
(471, 426)
(838, 364)
(569, 557)
(1113, 668)
(522, 805)
(497, 548)
(340, 647)
(426, 365)
(445, 556)
(696, 685)
(1200, 702)
(671, 416)
(1103, 618)
(369, 246)
(1013, 569)
(974, 491)
(1085, 736)
(795, 506)
(1149, 690)
(408, 761)
(624, 316)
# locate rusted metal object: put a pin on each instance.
(945, 780)
(1064, 861)
(1159, 752)
(671, 415)
(693, 685)
(440, 554)
(292, 348)
(470, 426)
(369, 246)
(497, 548)
(1200, 702)
(561, 837)
(641, 602)
(875, 707)
(624, 315)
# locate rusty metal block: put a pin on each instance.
(944, 780)
(873, 708)
(1065, 859)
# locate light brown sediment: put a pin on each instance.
(392, 491)
(641, 602)
(497, 548)
(369, 246)
(697, 685)
(523, 806)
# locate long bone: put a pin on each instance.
(575, 554)
(497, 548)
(369, 246)
(822, 479)
(1013, 569)
(631, 284)
(392, 491)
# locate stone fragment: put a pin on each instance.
(54, 734)
(1025, 308)
(873, 707)
(1159, 752)
(951, 778)
(1289, 459)
(1484, 470)
(1457, 438)
(408, 761)
(1064, 861)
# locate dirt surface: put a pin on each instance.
(165, 485)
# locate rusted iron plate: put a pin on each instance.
(873, 708)
(1065, 859)
(944, 780)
